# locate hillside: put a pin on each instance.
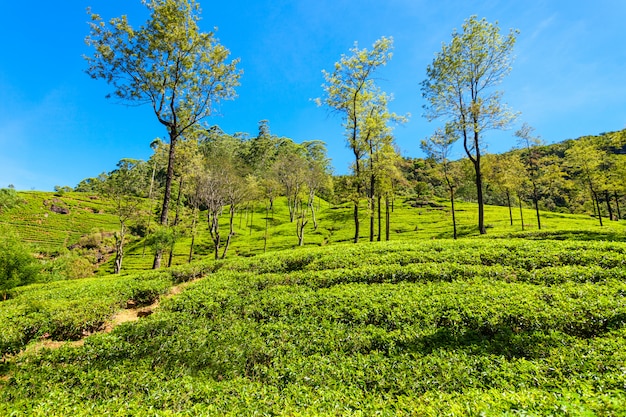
(430, 327)
(258, 230)
(52, 222)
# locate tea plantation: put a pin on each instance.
(478, 326)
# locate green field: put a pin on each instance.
(49, 231)
(513, 323)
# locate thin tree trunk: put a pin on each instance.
(607, 197)
(537, 211)
(168, 191)
(521, 212)
(312, 206)
(119, 250)
(231, 230)
(372, 202)
(597, 202)
(481, 207)
(479, 185)
(176, 217)
(194, 223)
(267, 215)
(214, 230)
(356, 221)
(619, 214)
(508, 200)
(300, 224)
(387, 218)
(251, 218)
(536, 202)
(454, 234)
(379, 238)
(143, 252)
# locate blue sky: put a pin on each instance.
(57, 128)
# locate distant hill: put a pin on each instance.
(52, 221)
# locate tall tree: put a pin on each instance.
(584, 158)
(374, 135)
(167, 63)
(125, 187)
(531, 158)
(317, 177)
(291, 170)
(506, 173)
(460, 89)
(439, 147)
(348, 89)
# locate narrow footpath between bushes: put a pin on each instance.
(129, 314)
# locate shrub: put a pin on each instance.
(17, 264)
(8, 199)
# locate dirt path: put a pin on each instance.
(130, 313)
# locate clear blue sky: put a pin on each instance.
(57, 128)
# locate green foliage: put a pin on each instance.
(49, 232)
(17, 264)
(8, 199)
(68, 265)
(468, 327)
(460, 86)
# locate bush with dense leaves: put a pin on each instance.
(18, 266)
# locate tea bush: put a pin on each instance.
(473, 327)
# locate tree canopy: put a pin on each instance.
(168, 63)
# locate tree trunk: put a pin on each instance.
(597, 203)
(387, 218)
(521, 212)
(300, 224)
(372, 210)
(607, 197)
(168, 191)
(454, 234)
(194, 222)
(312, 207)
(379, 238)
(231, 230)
(475, 158)
(538, 217)
(143, 252)
(214, 230)
(119, 250)
(358, 192)
(508, 200)
(267, 215)
(356, 221)
(481, 207)
(176, 217)
(251, 219)
(619, 214)
(536, 203)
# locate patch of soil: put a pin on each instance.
(131, 313)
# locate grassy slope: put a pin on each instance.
(416, 326)
(401, 328)
(48, 231)
(407, 223)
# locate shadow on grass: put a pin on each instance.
(584, 235)
(461, 231)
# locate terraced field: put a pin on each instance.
(483, 326)
(47, 230)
